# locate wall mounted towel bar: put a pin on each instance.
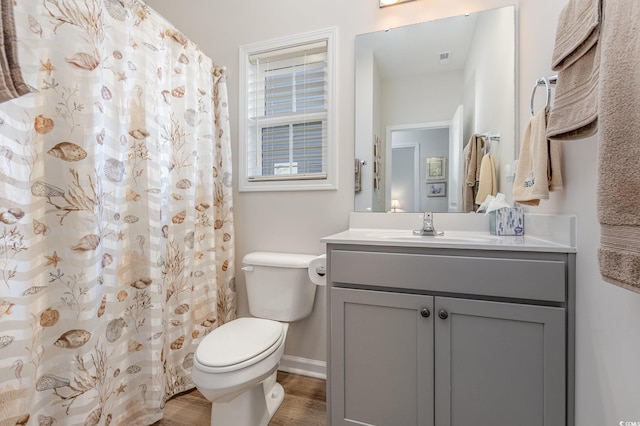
(490, 136)
(547, 82)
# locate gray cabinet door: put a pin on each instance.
(381, 358)
(499, 364)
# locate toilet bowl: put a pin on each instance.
(235, 365)
(230, 379)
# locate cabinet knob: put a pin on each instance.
(443, 314)
(425, 312)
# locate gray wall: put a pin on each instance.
(402, 178)
(608, 340)
(432, 143)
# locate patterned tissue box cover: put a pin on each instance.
(507, 221)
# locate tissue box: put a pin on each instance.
(507, 221)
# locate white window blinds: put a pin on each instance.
(287, 113)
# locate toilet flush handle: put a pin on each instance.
(247, 268)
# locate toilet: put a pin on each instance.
(235, 365)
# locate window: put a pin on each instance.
(286, 114)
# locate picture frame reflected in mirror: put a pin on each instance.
(436, 168)
(437, 189)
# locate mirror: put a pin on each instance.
(422, 91)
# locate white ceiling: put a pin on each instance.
(415, 49)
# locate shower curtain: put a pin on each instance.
(116, 216)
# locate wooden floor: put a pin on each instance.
(304, 404)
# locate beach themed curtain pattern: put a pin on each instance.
(116, 218)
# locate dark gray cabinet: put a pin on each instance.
(404, 351)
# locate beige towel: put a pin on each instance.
(11, 83)
(531, 183)
(468, 197)
(487, 184)
(578, 30)
(472, 160)
(575, 108)
(576, 57)
(554, 165)
(619, 144)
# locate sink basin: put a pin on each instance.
(447, 237)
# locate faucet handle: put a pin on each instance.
(427, 221)
(427, 226)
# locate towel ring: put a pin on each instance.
(539, 82)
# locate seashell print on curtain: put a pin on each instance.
(116, 217)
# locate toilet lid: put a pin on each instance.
(238, 341)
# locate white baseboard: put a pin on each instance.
(303, 366)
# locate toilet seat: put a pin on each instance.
(238, 344)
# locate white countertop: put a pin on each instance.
(545, 233)
(451, 239)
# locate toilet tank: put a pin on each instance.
(278, 285)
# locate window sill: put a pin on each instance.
(289, 185)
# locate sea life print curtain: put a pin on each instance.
(116, 216)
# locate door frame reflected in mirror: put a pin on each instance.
(424, 130)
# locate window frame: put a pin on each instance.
(328, 35)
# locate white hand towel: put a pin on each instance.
(487, 185)
(531, 183)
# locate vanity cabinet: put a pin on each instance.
(449, 337)
(382, 358)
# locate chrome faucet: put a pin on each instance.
(427, 226)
